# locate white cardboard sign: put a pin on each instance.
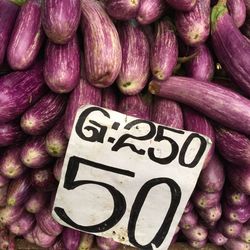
(126, 178)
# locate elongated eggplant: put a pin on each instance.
(3, 181)
(245, 234)
(212, 178)
(194, 26)
(150, 10)
(41, 238)
(204, 200)
(34, 154)
(19, 190)
(106, 243)
(71, 238)
(188, 220)
(233, 244)
(57, 169)
(62, 66)
(36, 202)
(9, 214)
(8, 14)
(237, 9)
(164, 50)
(102, 49)
(109, 98)
(197, 244)
(122, 9)
(212, 214)
(23, 225)
(235, 198)
(27, 36)
(135, 59)
(83, 94)
(230, 229)
(3, 195)
(86, 241)
(196, 233)
(208, 98)
(182, 5)
(60, 19)
(216, 237)
(228, 42)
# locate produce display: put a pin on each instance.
(181, 63)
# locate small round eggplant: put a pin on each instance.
(196, 233)
(36, 202)
(211, 215)
(235, 198)
(230, 229)
(234, 244)
(188, 220)
(10, 214)
(217, 238)
(245, 234)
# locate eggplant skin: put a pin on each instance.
(60, 19)
(102, 48)
(62, 66)
(237, 9)
(182, 5)
(27, 36)
(71, 238)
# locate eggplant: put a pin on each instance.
(204, 200)
(71, 238)
(188, 220)
(135, 65)
(201, 67)
(212, 214)
(106, 243)
(57, 169)
(122, 9)
(237, 9)
(182, 5)
(86, 241)
(230, 229)
(19, 190)
(60, 19)
(189, 207)
(3, 195)
(217, 238)
(164, 50)
(212, 178)
(23, 225)
(56, 140)
(234, 244)
(33, 152)
(47, 223)
(9, 214)
(194, 26)
(58, 245)
(150, 10)
(29, 237)
(3, 181)
(245, 234)
(8, 13)
(19, 91)
(167, 112)
(27, 36)
(83, 94)
(234, 198)
(208, 98)
(109, 98)
(62, 66)
(10, 164)
(42, 239)
(102, 49)
(197, 244)
(196, 233)
(228, 43)
(36, 202)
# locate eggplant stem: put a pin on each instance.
(186, 59)
(218, 10)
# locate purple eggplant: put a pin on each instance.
(9, 214)
(228, 42)
(19, 190)
(189, 207)
(86, 241)
(201, 67)
(109, 98)
(47, 223)
(235, 198)
(197, 244)
(188, 220)
(58, 245)
(102, 49)
(33, 153)
(168, 113)
(36, 202)
(57, 169)
(196, 122)
(194, 26)
(106, 243)
(135, 70)
(60, 19)
(83, 94)
(208, 98)
(212, 214)
(23, 225)
(71, 238)
(41, 238)
(234, 244)
(3, 181)
(216, 238)
(3, 195)
(56, 140)
(196, 233)
(245, 234)
(29, 237)
(164, 51)
(237, 9)
(182, 5)
(20, 90)
(8, 13)
(62, 66)
(10, 164)
(122, 9)
(27, 36)
(230, 229)
(212, 178)
(204, 200)
(150, 10)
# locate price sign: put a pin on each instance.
(126, 178)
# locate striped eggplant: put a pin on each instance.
(9, 214)
(60, 19)
(3, 181)
(8, 14)
(135, 59)
(167, 112)
(212, 214)
(150, 10)
(234, 198)
(20, 90)
(194, 26)
(182, 5)
(228, 42)
(102, 49)
(36, 202)
(41, 238)
(201, 67)
(3, 195)
(27, 36)
(39, 118)
(208, 98)
(56, 140)
(188, 220)
(71, 238)
(11, 165)
(106, 243)
(229, 229)
(33, 152)
(83, 94)
(122, 9)
(109, 98)
(245, 234)
(57, 169)
(235, 244)
(62, 66)
(164, 50)
(216, 237)
(237, 9)
(86, 241)
(196, 233)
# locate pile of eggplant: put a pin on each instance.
(181, 63)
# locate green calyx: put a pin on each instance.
(218, 10)
(18, 2)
